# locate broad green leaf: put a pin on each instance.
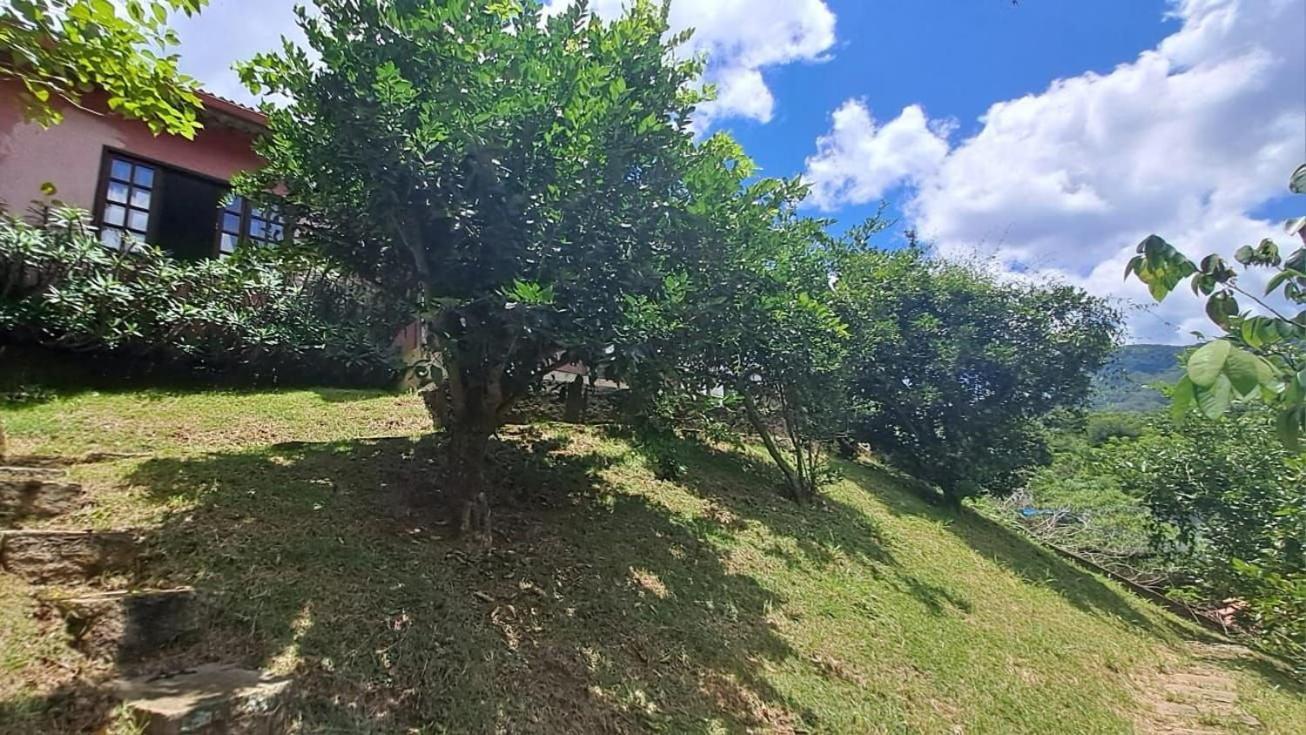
(1244, 371)
(1182, 399)
(1215, 399)
(1280, 277)
(1207, 363)
(1288, 426)
(1220, 307)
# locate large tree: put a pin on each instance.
(516, 175)
(58, 50)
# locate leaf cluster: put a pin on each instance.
(1262, 352)
(60, 50)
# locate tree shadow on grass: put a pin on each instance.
(1026, 559)
(747, 487)
(597, 611)
(74, 707)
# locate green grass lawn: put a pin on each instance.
(610, 602)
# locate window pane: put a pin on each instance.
(120, 170)
(231, 223)
(257, 229)
(114, 214)
(111, 237)
(117, 192)
(227, 243)
(141, 198)
(276, 233)
(138, 220)
(143, 176)
(235, 205)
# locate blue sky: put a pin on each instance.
(953, 58)
(1046, 137)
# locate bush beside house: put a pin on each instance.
(264, 315)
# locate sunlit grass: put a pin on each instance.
(611, 600)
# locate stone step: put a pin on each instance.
(43, 556)
(21, 474)
(126, 626)
(1201, 694)
(37, 491)
(1204, 681)
(209, 699)
(1194, 713)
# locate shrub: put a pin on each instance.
(261, 315)
(1105, 426)
(1225, 499)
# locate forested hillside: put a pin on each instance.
(1127, 382)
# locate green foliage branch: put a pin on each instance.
(745, 314)
(1260, 356)
(60, 50)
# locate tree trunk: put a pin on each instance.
(574, 412)
(436, 399)
(3, 445)
(469, 506)
(793, 485)
(475, 405)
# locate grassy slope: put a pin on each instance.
(613, 602)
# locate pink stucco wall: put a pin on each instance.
(68, 155)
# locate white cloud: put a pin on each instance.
(224, 33)
(859, 160)
(741, 39)
(1186, 141)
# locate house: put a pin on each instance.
(164, 190)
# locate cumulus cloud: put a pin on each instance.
(741, 39)
(1187, 140)
(859, 159)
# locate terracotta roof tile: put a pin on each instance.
(223, 106)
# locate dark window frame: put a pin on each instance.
(158, 192)
(245, 232)
(107, 157)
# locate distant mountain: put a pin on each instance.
(1125, 383)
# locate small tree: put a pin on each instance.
(953, 370)
(1260, 356)
(62, 49)
(516, 176)
(747, 316)
(1225, 498)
